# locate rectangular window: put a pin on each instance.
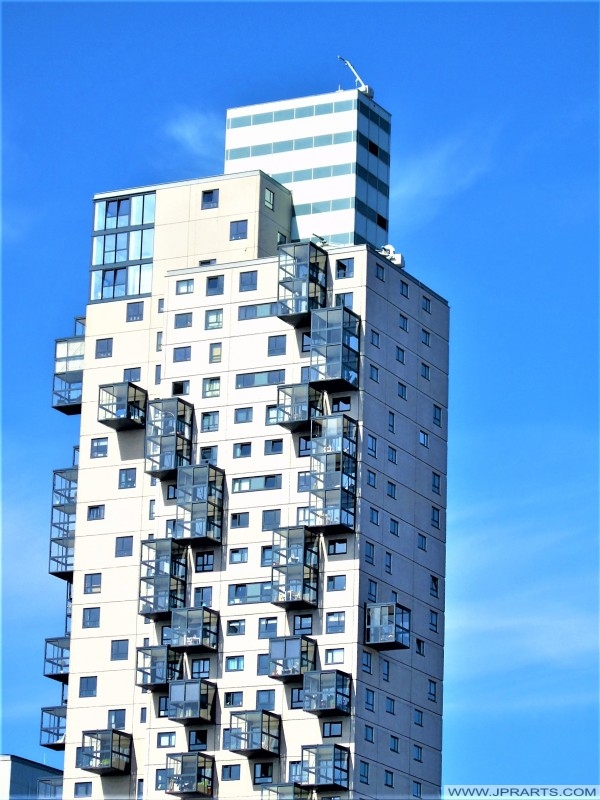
(334, 656)
(269, 198)
(369, 700)
(211, 387)
(402, 391)
(236, 627)
(426, 304)
(213, 319)
(271, 519)
(303, 624)
(157, 374)
(198, 741)
(240, 519)
(388, 563)
(374, 373)
(263, 773)
(249, 380)
(403, 322)
(273, 447)
(119, 650)
(99, 447)
(432, 691)
(380, 272)
(241, 415)
(392, 455)
(385, 669)
(374, 516)
(372, 591)
(205, 561)
(371, 478)
(184, 286)
(394, 527)
(238, 229)
(238, 555)
(182, 354)
(394, 743)
(215, 352)
(234, 699)
(417, 752)
(364, 771)
(200, 668)
(423, 438)
(344, 299)
(92, 583)
(271, 417)
(344, 268)
(371, 445)
(183, 320)
(267, 627)
(234, 663)
(425, 371)
(336, 583)
(91, 618)
(337, 547)
(437, 416)
(248, 281)
(404, 288)
(88, 686)
(163, 706)
(425, 337)
(335, 622)
(391, 422)
(435, 482)
(95, 512)
(306, 343)
(434, 586)
(433, 621)
(421, 542)
(435, 517)
(209, 421)
(418, 717)
(210, 199)
(420, 647)
(369, 553)
(262, 665)
(400, 355)
(132, 374)
(265, 699)
(165, 739)
(256, 484)
(332, 729)
(127, 478)
(276, 345)
(246, 593)
(151, 509)
(83, 789)
(123, 546)
(391, 490)
(135, 312)
(375, 338)
(230, 772)
(159, 341)
(390, 705)
(388, 778)
(367, 662)
(104, 348)
(369, 733)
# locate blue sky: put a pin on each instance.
(494, 204)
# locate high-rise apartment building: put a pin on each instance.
(252, 529)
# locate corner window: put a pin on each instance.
(215, 284)
(210, 199)
(104, 348)
(238, 229)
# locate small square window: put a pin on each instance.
(119, 650)
(123, 546)
(185, 286)
(127, 478)
(344, 299)
(303, 624)
(182, 354)
(271, 519)
(276, 345)
(88, 686)
(248, 281)
(209, 421)
(92, 583)
(210, 199)
(273, 447)
(241, 415)
(269, 198)
(90, 618)
(104, 348)
(344, 268)
(337, 547)
(215, 284)
(336, 583)
(265, 699)
(135, 311)
(198, 741)
(205, 561)
(180, 388)
(213, 319)
(238, 229)
(99, 447)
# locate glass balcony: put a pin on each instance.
(106, 752)
(53, 727)
(195, 629)
(295, 570)
(387, 626)
(255, 733)
(284, 791)
(291, 656)
(200, 504)
(297, 404)
(335, 346)
(56, 659)
(163, 578)
(190, 774)
(327, 692)
(50, 788)
(122, 406)
(302, 281)
(325, 766)
(192, 701)
(157, 666)
(333, 467)
(168, 436)
(68, 371)
(62, 526)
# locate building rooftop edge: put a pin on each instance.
(296, 100)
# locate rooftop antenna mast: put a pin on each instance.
(361, 85)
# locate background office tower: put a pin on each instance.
(252, 530)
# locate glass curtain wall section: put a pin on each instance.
(122, 406)
(163, 577)
(333, 470)
(68, 371)
(62, 527)
(302, 281)
(335, 348)
(295, 570)
(168, 436)
(200, 504)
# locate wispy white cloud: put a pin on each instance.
(427, 179)
(199, 134)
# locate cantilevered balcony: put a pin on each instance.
(168, 436)
(295, 570)
(157, 666)
(332, 503)
(53, 727)
(291, 656)
(325, 766)
(190, 774)
(50, 788)
(68, 371)
(56, 659)
(327, 692)
(200, 504)
(302, 281)
(106, 752)
(122, 406)
(163, 578)
(297, 404)
(387, 626)
(334, 351)
(256, 734)
(192, 701)
(62, 529)
(195, 630)
(284, 791)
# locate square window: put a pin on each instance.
(183, 320)
(273, 447)
(135, 311)
(185, 286)
(127, 478)
(241, 415)
(369, 700)
(99, 447)
(205, 561)
(269, 198)
(336, 583)
(276, 345)
(119, 650)
(211, 387)
(240, 519)
(238, 229)
(200, 668)
(88, 686)
(104, 348)
(165, 739)
(180, 388)
(198, 741)
(215, 350)
(213, 319)
(202, 596)
(123, 546)
(335, 622)
(210, 199)
(265, 699)
(344, 299)
(92, 583)
(337, 547)
(91, 618)
(209, 454)
(236, 627)
(83, 789)
(182, 354)
(344, 268)
(303, 624)
(267, 627)
(248, 281)
(332, 729)
(271, 519)
(215, 284)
